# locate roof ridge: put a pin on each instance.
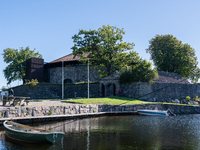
(57, 60)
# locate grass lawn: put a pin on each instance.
(106, 100)
(114, 100)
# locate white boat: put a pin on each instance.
(152, 112)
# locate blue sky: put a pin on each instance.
(48, 25)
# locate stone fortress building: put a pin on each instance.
(74, 71)
(71, 70)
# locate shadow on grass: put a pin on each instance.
(71, 102)
(123, 98)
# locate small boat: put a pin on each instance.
(152, 112)
(25, 133)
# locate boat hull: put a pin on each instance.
(152, 112)
(31, 136)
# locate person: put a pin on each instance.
(11, 92)
(119, 91)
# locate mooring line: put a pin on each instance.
(62, 124)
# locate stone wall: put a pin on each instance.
(70, 110)
(176, 109)
(161, 92)
(13, 112)
(73, 73)
(54, 91)
(40, 91)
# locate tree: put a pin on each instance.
(101, 47)
(17, 62)
(142, 71)
(171, 55)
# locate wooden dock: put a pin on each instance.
(65, 117)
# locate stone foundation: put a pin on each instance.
(13, 112)
(41, 111)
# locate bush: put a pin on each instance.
(31, 83)
(5, 89)
(187, 98)
(141, 72)
(195, 97)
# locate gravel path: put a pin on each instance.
(39, 103)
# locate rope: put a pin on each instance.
(64, 124)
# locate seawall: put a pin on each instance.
(76, 111)
(157, 92)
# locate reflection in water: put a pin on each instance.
(120, 132)
(88, 136)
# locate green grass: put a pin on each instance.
(114, 100)
(106, 100)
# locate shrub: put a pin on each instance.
(51, 111)
(187, 98)
(141, 72)
(195, 97)
(31, 83)
(5, 89)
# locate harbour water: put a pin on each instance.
(119, 133)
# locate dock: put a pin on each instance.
(38, 119)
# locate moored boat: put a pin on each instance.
(152, 112)
(25, 133)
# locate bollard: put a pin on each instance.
(64, 111)
(79, 110)
(6, 114)
(33, 112)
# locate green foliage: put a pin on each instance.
(32, 83)
(51, 111)
(140, 72)
(101, 47)
(16, 60)
(187, 98)
(171, 55)
(4, 88)
(195, 97)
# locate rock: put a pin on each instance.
(190, 103)
(195, 103)
(176, 101)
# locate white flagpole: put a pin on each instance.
(88, 81)
(62, 80)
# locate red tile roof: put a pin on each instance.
(69, 57)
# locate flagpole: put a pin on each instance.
(62, 80)
(88, 81)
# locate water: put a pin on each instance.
(119, 133)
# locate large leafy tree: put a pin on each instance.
(16, 60)
(101, 47)
(171, 55)
(140, 71)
